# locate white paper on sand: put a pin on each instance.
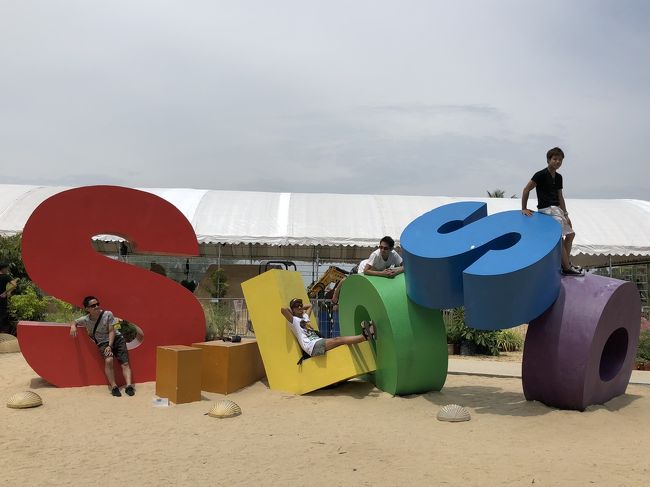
(160, 402)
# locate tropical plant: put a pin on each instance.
(29, 305)
(454, 324)
(509, 341)
(643, 351)
(219, 321)
(498, 193)
(10, 252)
(58, 311)
(485, 341)
(219, 281)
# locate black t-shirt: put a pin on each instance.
(547, 188)
(4, 280)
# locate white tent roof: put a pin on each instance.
(615, 227)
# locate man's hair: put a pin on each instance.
(88, 299)
(388, 241)
(555, 151)
(4, 265)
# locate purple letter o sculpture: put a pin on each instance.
(581, 350)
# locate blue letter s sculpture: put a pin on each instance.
(504, 268)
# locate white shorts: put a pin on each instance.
(558, 215)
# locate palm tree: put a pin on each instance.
(499, 193)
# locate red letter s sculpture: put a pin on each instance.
(59, 257)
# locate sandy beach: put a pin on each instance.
(352, 434)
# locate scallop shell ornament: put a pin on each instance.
(23, 400)
(453, 413)
(225, 409)
(8, 343)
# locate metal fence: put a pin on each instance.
(231, 316)
(227, 314)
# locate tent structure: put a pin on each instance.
(343, 227)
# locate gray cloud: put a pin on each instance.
(420, 98)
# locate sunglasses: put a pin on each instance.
(295, 303)
(94, 305)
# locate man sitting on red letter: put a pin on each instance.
(99, 325)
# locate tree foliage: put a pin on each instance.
(10, 251)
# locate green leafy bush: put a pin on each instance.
(10, 252)
(643, 352)
(219, 282)
(58, 311)
(454, 325)
(484, 341)
(218, 321)
(28, 306)
(509, 341)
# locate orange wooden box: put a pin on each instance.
(178, 373)
(227, 367)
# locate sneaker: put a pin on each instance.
(372, 330)
(572, 272)
(116, 391)
(130, 391)
(364, 330)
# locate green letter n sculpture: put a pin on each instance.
(411, 346)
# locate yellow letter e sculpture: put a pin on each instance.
(265, 295)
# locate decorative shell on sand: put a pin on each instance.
(8, 343)
(23, 400)
(453, 413)
(225, 409)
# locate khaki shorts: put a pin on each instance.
(559, 216)
(319, 348)
(119, 349)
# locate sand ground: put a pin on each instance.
(353, 434)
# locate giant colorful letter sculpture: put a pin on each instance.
(581, 350)
(59, 257)
(265, 295)
(504, 268)
(411, 353)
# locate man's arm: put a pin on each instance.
(524, 197)
(370, 271)
(108, 351)
(73, 329)
(394, 271)
(286, 312)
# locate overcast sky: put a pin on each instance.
(402, 97)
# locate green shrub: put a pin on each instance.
(485, 340)
(219, 282)
(128, 330)
(218, 321)
(454, 325)
(10, 252)
(58, 311)
(643, 352)
(509, 341)
(27, 306)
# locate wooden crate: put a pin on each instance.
(178, 373)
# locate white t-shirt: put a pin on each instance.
(306, 337)
(379, 264)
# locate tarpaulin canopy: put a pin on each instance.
(338, 227)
